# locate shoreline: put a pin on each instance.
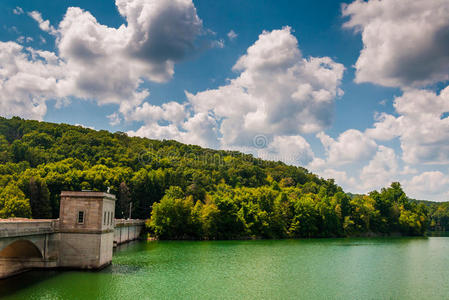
(370, 235)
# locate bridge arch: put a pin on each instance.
(21, 249)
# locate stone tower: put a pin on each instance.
(86, 228)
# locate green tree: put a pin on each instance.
(5, 152)
(208, 218)
(172, 218)
(39, 199)
(13, 203)
(123, 201)
(305, 222)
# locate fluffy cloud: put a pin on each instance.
(433, 184)
(160, 31)
(422, 126)
(405, 43)
(200, 129)
(374, 170)
(178, 124)
(294, 150)
(278, 92)
(352, 150)
(351, 146)
(94, 61)
(109, 64)
(43, 24)
(381, 170)
(385, 128)
(278, 95)
(27, 79)
(172, 111)
(341, 178)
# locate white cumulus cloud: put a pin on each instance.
(278, 94)
(94, 61)
(433, 184)
(351, 146)
(422, 126)
(43, 24)
(294, 150)
(405, 42)
(28, 78)
(381, 170)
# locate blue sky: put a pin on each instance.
(353, 90)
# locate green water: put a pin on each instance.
(384, 268)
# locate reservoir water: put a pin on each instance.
(356, 268)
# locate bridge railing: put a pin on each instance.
(25, 227)
(129, 222)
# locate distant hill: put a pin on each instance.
(74, 158)
(428, 202)
(188, 191)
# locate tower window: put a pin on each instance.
(81, 217)
(104, 219)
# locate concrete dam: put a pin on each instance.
(82, 238)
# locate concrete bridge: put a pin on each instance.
(83, 237)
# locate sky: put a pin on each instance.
(355, 90)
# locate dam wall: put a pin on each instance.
(82, 238)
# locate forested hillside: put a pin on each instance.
(187, 191)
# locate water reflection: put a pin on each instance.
(12, 285)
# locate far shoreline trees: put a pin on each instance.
(285, 212)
